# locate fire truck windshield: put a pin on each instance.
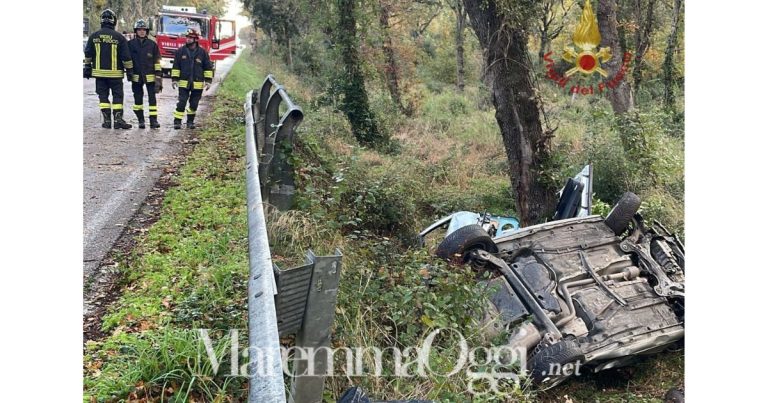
(178, 25)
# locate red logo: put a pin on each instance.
(587, 58)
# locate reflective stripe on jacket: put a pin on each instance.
(192, 67)
(107, 51)
(146, 60)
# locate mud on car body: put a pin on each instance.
(581, 290)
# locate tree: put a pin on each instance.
(355, 103)
(390, 68)
(548, 29)
(620, 97)
(502, 35)
(461, 23)
(278, 19)
(669, 57)
(644, 19)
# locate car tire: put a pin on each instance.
(674, 395)
(623, 211)
(456, 247)
(554, 357)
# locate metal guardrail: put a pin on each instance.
(275, 172)
(300, 300)
(265, 368)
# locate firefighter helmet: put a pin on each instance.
(108, 17)
(140, 24)
(192, 33)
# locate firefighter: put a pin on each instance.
(106, 56)
(191, 73)
(146, 71)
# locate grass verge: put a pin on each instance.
(188, 271)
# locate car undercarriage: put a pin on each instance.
(573, 292)
(585, 291)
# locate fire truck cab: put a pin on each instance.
(217, 36)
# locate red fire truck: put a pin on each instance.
(217, 36)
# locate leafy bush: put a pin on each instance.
(391, 296)
(382, 201)
(441, 109)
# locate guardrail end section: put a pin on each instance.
(316, 328)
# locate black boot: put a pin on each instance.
(119, 122)
(140, 116)
(107, 117)
(190, 121)
(177, 124)
(153, 122)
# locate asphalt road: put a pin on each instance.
(121, 166)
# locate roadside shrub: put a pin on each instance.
(655, 158)
(668, 210)
(388, 115)
(382, 201)
(441, 109)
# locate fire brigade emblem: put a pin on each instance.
(149, 54)
(587, 39)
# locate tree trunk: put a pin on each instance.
(543, 43)
(390, 69)
(517, 109)
(461, 21)
(642, 39)
(620, 96)
(548, 30)
(669, 58)
(355, 103)
(546, 20)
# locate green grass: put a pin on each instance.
(189, 269)
(646, 381)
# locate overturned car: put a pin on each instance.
(583, 291)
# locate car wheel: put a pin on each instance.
(621, 214)
(457, 246)
(675, 395)
(554, 364)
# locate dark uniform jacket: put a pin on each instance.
(191, 68)
(107, 51)
(146, 60)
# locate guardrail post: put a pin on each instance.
(316, 328)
